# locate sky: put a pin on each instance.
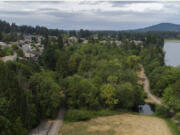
(102, 15)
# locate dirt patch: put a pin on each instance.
(99, 128)
(125, 124)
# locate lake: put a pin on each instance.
(172, 49)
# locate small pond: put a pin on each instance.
(146, 109)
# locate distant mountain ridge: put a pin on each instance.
(160, 27)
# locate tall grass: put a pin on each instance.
(174, 128)
(73, 115)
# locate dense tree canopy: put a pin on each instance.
(26, 96)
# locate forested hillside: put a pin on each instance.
(161, 27)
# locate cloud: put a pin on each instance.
(90, 15)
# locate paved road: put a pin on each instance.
(49, 127)
(57, 124)
(147, 88)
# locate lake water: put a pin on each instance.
(172, 49)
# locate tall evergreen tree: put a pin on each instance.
(60, 42)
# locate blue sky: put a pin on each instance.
(94, 15)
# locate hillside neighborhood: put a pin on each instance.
(31, 46)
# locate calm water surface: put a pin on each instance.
(172, 49)
(146, 109)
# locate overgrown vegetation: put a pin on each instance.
(73, 115)
(174, 128)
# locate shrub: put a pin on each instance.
(177, 116)
(15, 47)
(162, 111)
(7, 51)
(20, 52)
(78, 115)
(104, 113)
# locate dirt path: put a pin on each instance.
(49, 127)
(145, 81)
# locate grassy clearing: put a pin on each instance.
(123, 124)
(174, 128)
